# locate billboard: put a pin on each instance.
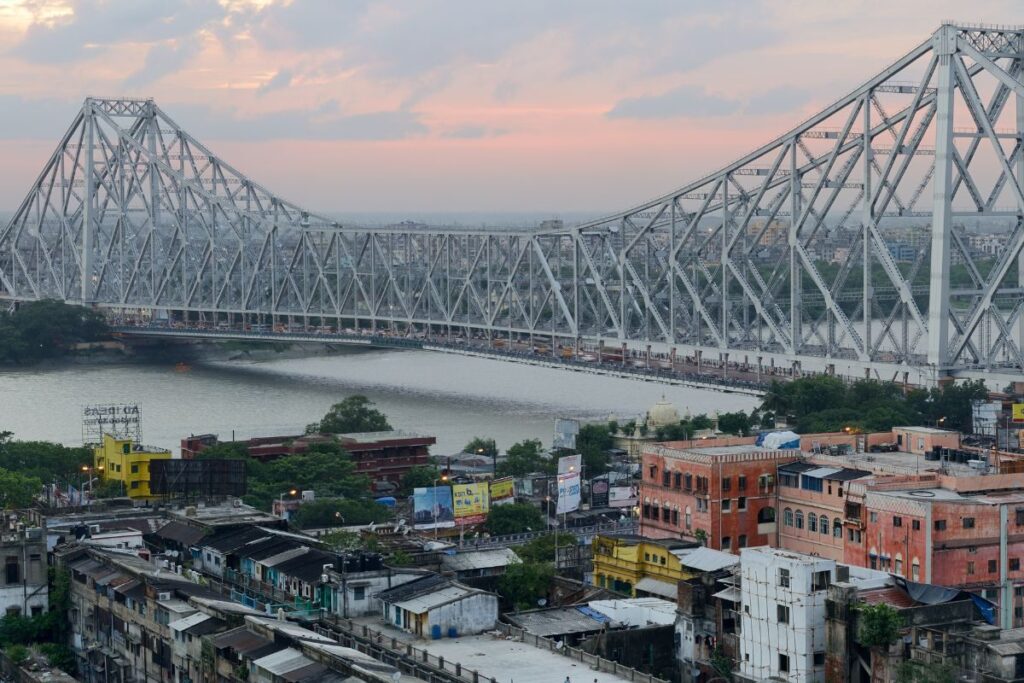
(570, 463)
(568, 492)
(471, 503)
(503, 491)
(432, 507)
(565, 433)
(1018, 413)
(985, 416)
(622, 496)
(599, 492)
(200, 477)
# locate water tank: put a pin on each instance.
(388, 501)
(453, 632)
(435, 631)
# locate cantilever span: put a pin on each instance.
(847, 245)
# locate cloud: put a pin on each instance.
(684, 101)
(472, 132)
(780, 100)
(163, 59)
(281, 79)
(505, 91)
(96, 25)
(36, 119)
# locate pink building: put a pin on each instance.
(812, 506)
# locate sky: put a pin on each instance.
(419, 106)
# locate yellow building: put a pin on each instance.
(640, 566)
(126, 462)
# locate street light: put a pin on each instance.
(443, 478)
(280, 501)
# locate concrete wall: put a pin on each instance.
(473, 614)
(650, 649)
(372, 584)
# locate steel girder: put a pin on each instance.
(787, 252)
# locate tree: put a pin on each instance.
(737, 423)
(699, 422)
(354, 414)
(18, 490)
(326, 469)
(515, 518)
(542, 548)
(420, 476)
(524, 583)
(340, 511)
(482, 446)
(524, 458)
(911, 671)
(45, 329)
(593, 442)
(879, 625)
(42, 459)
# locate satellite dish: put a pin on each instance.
(541, 602)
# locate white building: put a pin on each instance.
(435, 606)
(782, 594)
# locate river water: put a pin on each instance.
(451, 397)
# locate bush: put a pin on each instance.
(17, 653)
(879, 625)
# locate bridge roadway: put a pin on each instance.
(728, 378)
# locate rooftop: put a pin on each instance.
(705, 559)
(559, 621)
(710, 454)
(479, 559)
(233, 513)
(375, 437)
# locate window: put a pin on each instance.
(915, 525)
(135, 484)
(897, 521)
(915, 571)
(968, 522)
(766, 515)
(741, 503)
(13, 574)
(654, 471)
(687, 482)
(726, 483)
(37, 610)
(647, 557)
(812, 522)
(675, 517)
(782, 613)
(784, 578)
(741, 482)
(783, 663)
(726, 505)
(787, 517)
(743, 541)
(991, 566)
(726, 543)
(1020, 516)
(135, 468)
(666, 478)
(899, 565)
(819, 659)
(821, 580)
(13, 611)
(799, 519)
(837, 528)
(689, 518)
(1014, 564)
(940, 525)
(824, 524)
(647, 511)
(970, 568)
(811, 483)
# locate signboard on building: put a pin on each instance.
(565, 433)
(599, 492)
(502, 491)
(119, 420)
(622, 496)
(1017, 414)
(432, 507)
(570, 463)
(471, 503)
(568, 492)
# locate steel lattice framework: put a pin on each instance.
(787, 255)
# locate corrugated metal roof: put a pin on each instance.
(559, 621)
(188, 622)
(821, 472)
(280, 663)
(480, 559)
(797, 467)
(183, 534)
(662, 588)
(424, 603)
(848, 474)
(730, 594)
(705, 559)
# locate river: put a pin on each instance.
(451, 397)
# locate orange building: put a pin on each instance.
(812, 506)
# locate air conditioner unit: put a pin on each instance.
(163, 595)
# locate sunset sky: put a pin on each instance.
(454, 105)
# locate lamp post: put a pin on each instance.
(280, 501)
(442, 478)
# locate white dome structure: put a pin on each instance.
(662, 414)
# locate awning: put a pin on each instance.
(730, 594)
(662, 588)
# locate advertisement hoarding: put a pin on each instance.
(1017, 414)
(432, 507)
(471, 503)
(570, 463)
(599, 492)
(568, 492)
(565, 433)
(503, 491)
(622, 496)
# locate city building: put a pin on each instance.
(722, 496)
(24, 590)
(783, 594)
(639, 567)
(436, 606)
(126, 462)
(474, 564)
(812, 507)
(921, 440)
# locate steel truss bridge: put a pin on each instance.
(848, 245)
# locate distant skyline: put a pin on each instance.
(454, 106)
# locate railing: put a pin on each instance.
(520, 539)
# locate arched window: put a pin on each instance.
(799, 519)
(837, 528)
(766, 515)
(689, 518)
(787, 517)
(812, 522)
(898, 566)
(824, 524)
(915, 570)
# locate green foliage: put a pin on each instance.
(879, 625)
(41, 459)
(826, 404)
(354, 414)
(524, 458)
(419, 477)
(737, 423)
(481, 446)
(701, 536)
(721, 663)
(542, 549)
(46, 329)
(17, 490)
(17, 654)
(699, 422)
(399, 558)
(524, 583)
(911, 671)
(515, 518)
(593, 443)
(327, 469)
(58, 655)
(340, 511)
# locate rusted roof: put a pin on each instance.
(890, 596)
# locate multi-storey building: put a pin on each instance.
(126, 462)
(23, 589)
(812, 506)
(722, 496)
